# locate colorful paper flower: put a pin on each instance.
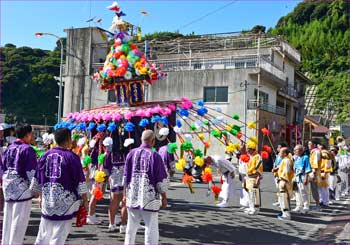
(198, 161)
(264, 154)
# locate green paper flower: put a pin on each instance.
(237, 128)
(216, 133)
(172, 147)
(234, 132)
(198, 153)
(193, 127)
(86, 161)
(186, 146)
(224, 132)
(235, 116)
(206, 122)
(76, 137)
(101, 158)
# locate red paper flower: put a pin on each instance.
(186, 179)
(244, 158)
(207, 177)
(265, 131)
(206, 145)
(215, 189)
(239, 135)
(97, 193)
(267, 148)
(264, 154)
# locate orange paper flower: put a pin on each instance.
(239, 135)
(97, 193)
(244, 158)
(207, 177)
(265, 131)
(264, 154)
(186, 179)
(215, 189)
(267, 148)
(206, 145)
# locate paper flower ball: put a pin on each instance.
(144, 123)
(251, 145)
(171, 148)
(101, 158)
(199, 161)
(200, 103)
(207, 177)
(91, 126)
(81, 127)
(181, 163)
(111, 127)
(98, 194)
(186, 146)
(230, 148)
(99, 176)
(92, 143)
(235, 116)
(216, 189)
(108, 141)
(207, 145)
(254, 139)
(128, 142)
(184, 113)
(251, 125)
(101, 128)
(208, 170)
(264, 154)
(200, 136)
(244, 158)
(265, 131)
(187, 179)
(86, 161)
(178, 123)
(267, 148)
(239, 135)
(164, 131)
(216, 133)
(129, 127)
(228, 128)
(202, 111)
(198, 153)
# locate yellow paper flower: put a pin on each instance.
(254, 139)
(230, 148)
(251, 145)
(179, 167)
(201, 136)
(199, 161)
(181, 163)
(251, 125)
(238, 147)
(100, 176)
(208, 170)
(228, 128)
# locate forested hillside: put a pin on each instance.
(320, 31)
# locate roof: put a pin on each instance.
(317, 127)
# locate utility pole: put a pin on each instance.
(245, 85)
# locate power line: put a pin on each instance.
(206, 15)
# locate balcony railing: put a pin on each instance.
(290, 91)
(253, 105)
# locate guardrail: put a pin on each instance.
(253, 105)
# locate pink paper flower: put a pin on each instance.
(116, 117)
(107, 117)
(128, 115)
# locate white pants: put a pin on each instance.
(324, 195)
(344, 182)
(15, 222)
(227, 188)
(334, 187)
(151, 226)
(302, 196)
(53, 231)
(244, 195)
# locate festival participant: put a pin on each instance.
(18, 166)
(325, 169)
(254, 173)
(60, 183)
(333, 183)
(344, 167)
(285, 177)
(168, 159)
(242, 170)
(315, 161)
(145, 180)
(276, 165)
(302, 168)
(96, 148)
(227, 172)
(114, 164)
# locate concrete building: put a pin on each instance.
(256, 77)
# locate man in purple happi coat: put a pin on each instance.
(145, 180)
(168, 160)
(18, 167)
(60, 181)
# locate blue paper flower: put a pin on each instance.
(71, 126)
(144, 123)
(218, 109)
(184, 113)
(155, 119)
(101, 128)
(178, 123)
(200, 103)
(202, 111)
(112, 127)
(129, 127)
(164, 120)
(91, 126)
(81, 127)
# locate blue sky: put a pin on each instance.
(21, 19)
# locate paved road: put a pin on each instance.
(193, 218)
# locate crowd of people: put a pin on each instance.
(69, 178)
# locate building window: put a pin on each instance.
(263, 97)
(215, 94)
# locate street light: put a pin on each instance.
(59, 113)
